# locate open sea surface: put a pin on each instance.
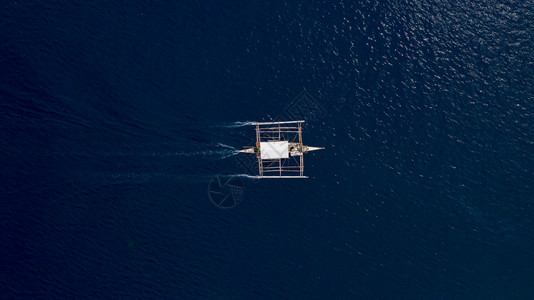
(115, 117)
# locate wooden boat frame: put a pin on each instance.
(268, 133)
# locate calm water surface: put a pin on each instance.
(115, 117)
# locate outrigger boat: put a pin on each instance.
(279, 149)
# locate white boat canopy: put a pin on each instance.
(274, 150)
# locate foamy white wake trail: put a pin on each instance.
(145, 177)
(225, 146)
(131, 169)
(217, 154)
(245, 176)
(217, 151)
(236, 124)
(232, 153)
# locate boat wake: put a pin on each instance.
(146, 177)
(226, 152)
(219, 154)
(217, 151)
(139, 167)
(236, 124)
(245, 176)
(225, 146)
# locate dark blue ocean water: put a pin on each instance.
(116, 115)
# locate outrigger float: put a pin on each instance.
(279, 149)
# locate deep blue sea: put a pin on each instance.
(115, 117)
